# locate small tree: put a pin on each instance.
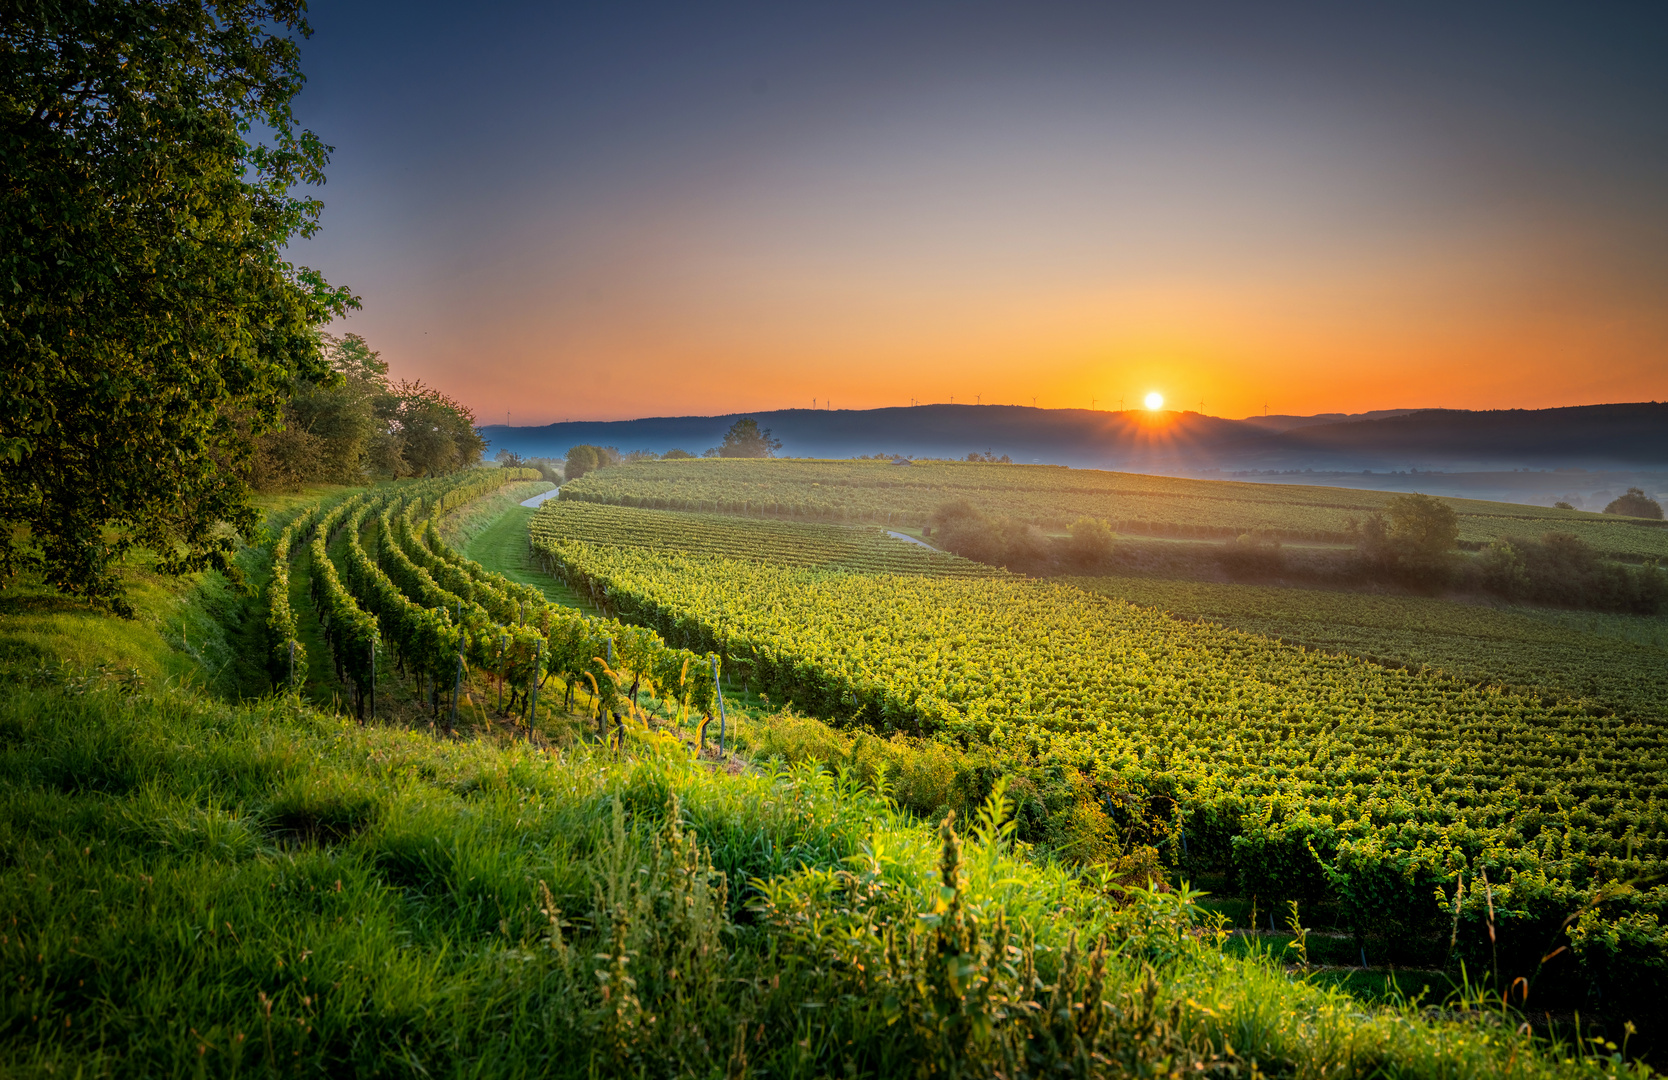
(510, 459)
(746, 440)
(1635, 504)
(1415, 536)
(1422, 527)
(580, 460)
(675, 454)
(1091, 541)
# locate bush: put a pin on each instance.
(1413, 539)
(1566, 571)
(960, 528)
(1091, 542)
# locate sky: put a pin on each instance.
(567, 211)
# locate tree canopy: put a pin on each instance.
(360, 427)
(1635, 504)
(151, 326)
(584, 458)
(746, 440)
(1416, 535)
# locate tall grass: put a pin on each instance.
(194, 888)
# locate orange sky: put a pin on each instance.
(1341, 217)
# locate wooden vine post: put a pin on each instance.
(533, 688)
(503, 659)
(457, 688)
(719, 690)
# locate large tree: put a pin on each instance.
(1635, 504)
(333, 432)
(746, 440)
(436, 434)
(150, 325)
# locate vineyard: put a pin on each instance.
(1408, 801)
(857, 549)
(1625, 670)
(1053, 497)
(523, 898)
(394, 600)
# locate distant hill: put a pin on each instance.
(1586, 436)
(1603, 434)
(1279, 422)
(1082, 437)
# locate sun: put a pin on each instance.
(1155, 401)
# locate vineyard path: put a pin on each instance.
(909, 539)
(321, 686)
(538, 500)
(502, 547)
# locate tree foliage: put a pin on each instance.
(360, 427)
(746, 439)
(584, 458)
(435, 433)
(962, 528)
(1415, 535)
(1090, 543)
(151, 327)
(1635, 504)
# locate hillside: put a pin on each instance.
(1592, 436)
(1362, 790)
(219, 885)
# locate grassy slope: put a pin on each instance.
(502, 547)
(193, 887)
(1618, 661)
(468, 521)
(194, 630)
(262, 888)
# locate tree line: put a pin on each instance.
(744, 439)
(1412, 545)
(359, 426)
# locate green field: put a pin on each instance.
(1053, 497)
(864, 550)
(1617, 661)
(204, 887)
(1295, 773)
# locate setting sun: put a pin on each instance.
(1155, 401)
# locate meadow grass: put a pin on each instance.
(502, 547)
(468, 521)
(198, 888)
(191, 886)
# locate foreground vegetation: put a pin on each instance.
(201, 888)
(198, 887)
(1428, 811)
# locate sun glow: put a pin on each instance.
(1155, 401)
